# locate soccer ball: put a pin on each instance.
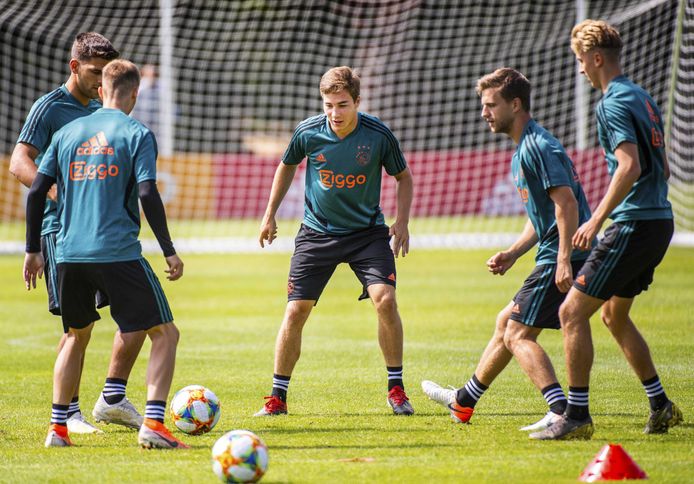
(195, 410)
(239, 456)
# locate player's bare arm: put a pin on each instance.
(399, 230)
(23, 166)
(628, 171)
(502, 261)
(280, 185)
(566, 213)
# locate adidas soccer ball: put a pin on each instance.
(239, 456)
(195, 410)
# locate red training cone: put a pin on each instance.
(612, 464)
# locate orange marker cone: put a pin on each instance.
(612, 463)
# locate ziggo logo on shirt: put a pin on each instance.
(79, 171)
(329, 179)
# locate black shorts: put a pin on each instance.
(623, 262)
(316, 255)
(537, 302)
(137, 299)
(50, 272)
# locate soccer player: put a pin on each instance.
(101, 163)
(630, 130)
(346, 151)
(554, 200)
(76, 98)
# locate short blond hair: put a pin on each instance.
(120, 76)
(595, 34)
(340, 79)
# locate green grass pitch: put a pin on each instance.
(228, 308)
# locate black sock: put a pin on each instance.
(655, 393)
(280, 385)
(74, 406)
(155, 409)
(114, 390)
(555, 398)
(395, 377)
(577, 409)
(468, 395)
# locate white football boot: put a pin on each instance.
(76, 424)
(121, 413)
(444, 396)
(543, 423)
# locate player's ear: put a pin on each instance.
(74, 66)
(357, 101)
(598, 58)
(101, 93)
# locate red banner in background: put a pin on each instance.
(446, 184)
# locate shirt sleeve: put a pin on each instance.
(296, 151)
(547, 163)
(393, 160)
(616, 118)
(36, 130)
(145, 158)
(49, 162)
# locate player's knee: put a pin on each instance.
(509, 339)
(164, 334)
(297, 312)
(608, 317)
(80, 336)
(515, 333)
(172, 334)
(386, 303)
(566, 314)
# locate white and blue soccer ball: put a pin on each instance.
(195, 410)
(239, 456)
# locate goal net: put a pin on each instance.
(226, 82)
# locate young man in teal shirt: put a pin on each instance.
(630, 131)
(346, 152)
(103, 164)
(78, 97)
(548, 185)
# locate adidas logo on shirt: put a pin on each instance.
(96, 145)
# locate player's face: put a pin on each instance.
(341, 111)
(496, 111)
(588, 67)
(88, 76)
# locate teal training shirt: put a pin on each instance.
(98, 161)
(49, 113)
(627, 113)
(343, 176)
(539, 164)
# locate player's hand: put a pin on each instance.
(584, 236)
(501, 262)
(33, 266)
(564, 276)
(268, 231)
(401, 238)
(175, 264)
(53, 193)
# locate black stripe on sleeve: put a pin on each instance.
(398, 157)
